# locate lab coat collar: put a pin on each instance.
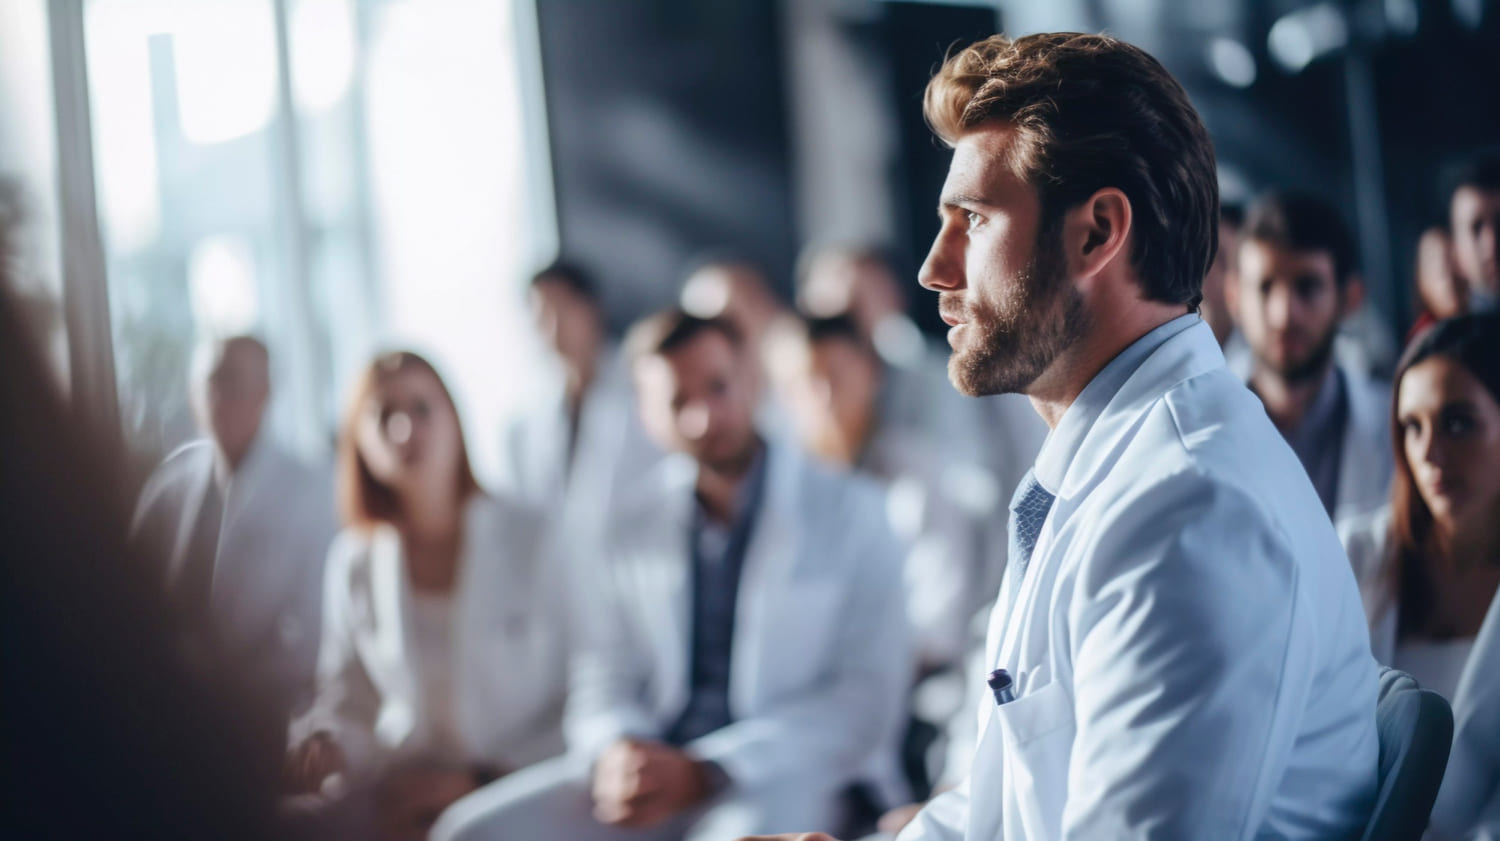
(1115, 380)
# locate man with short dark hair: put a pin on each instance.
(1179, 650)
(1474, 222)
(567, 454)
(1297, 280)
(743, 651)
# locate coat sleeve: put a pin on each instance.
(835, 726)
(607, 672)
(1191, 649)
(346, 702)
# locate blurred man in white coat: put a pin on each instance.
(1178, 650)
(1296, 282)
(744, 653)
(567, 454)
(244, 525)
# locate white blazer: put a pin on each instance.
(1468, 803)
(611, 446)
(267, 586)
(1188, 646)
(510, 634)
(820, 659)
(1366, 463)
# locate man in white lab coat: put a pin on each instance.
(567, 454)
(244, 526)
(1179, 647)
(744, 650)
(1296, 281)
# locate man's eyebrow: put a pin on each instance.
(961, 199)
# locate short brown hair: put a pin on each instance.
(363, 501)
(1292, 220)
(1090, 112)
(672, 328)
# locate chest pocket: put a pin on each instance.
(1037, 733)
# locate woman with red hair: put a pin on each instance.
(444, 647)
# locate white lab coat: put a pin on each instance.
(1366, 463)
(278, 520)
(1189, 650)
(941, 534)
(1365, 460)
(1468, 804)
(820, 659)
(511, 632)
(611, 448)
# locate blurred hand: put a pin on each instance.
(411, 799)
(312, 762)
(639, 784)
(802, 836)
(892, 822)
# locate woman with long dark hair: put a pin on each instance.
(1429, 567)
(444, 650)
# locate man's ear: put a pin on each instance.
(1095, 232)
(1352, 296)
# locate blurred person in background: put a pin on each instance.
(835, 387)
(577, 441)
(985, 445)
(111, 728)
(445, 634)
(739, 292)
(1297, 281)
(1429, 564)
(1474, 223)
(1440, 291)
(860, 283)
(245, 525)
(1221, 274)
(744, 652)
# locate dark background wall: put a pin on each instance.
(669, 139)
(671, 125)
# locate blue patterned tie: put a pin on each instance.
(1028, 510)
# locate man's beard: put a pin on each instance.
(1040, 316)
(1310, 367)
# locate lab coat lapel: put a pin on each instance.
(662, 571)
(1187, 354)
(388, 586)
(1364, 460)
(197, 495)
(769, 560)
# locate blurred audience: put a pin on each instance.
(836, 388)
(1474, 223)
(245, 526)
(1429, 564)
(1297, 281)
(579, 440)
(444, 651)
(744, 653)
(739, 292)
(860, 283)
(1222, 273)
(1440, 292)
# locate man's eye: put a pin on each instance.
(974, 219)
